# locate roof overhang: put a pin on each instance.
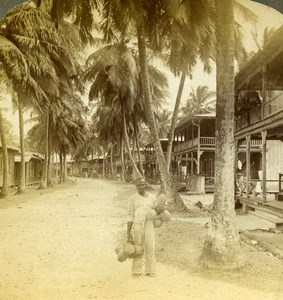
(269, 60)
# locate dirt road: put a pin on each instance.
(60, 245)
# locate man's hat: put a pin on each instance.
(140, 181)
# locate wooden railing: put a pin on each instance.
(254, 143)
(207, 141)
(202, 141)
(252, 186)
(209, 181)
(272, 106)
(260, 113)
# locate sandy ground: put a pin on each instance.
(59, 244)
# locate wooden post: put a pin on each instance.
(198, 154)
(186, 177)
(263, 135)
(248, 163)
(263, 87)
(236, 154)
(192, 163)
(236, 163)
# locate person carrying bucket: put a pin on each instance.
(140, 228)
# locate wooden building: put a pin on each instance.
(85, 167)
(259, 116)
(151, 166)
(33, 168)
(12, 152)
(194, 149)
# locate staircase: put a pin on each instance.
(270, 213)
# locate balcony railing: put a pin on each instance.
(202, 142)
(261, 113)
(254, 143)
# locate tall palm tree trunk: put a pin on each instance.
(61, 165)
(50, 165)
(222, 246)
(22, 183)
(104, 164)
(126, 140)
(5, 183)
(111, 163)
(64, 166)
(46, 153)
(122, 159)
(138, 145)
(167, 178)
(174, 120)
(56, 164)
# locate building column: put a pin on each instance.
(198, 154)
(236, 164)
(263, 182)
(263, 90)
(192, 163)
(187, 166)
(248, 163)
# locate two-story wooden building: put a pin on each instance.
(194, 149)
(259, 116)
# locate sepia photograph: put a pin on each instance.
(141, 149)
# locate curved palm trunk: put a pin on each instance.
(174, 120)
(22, 183)
(49, 162)
(104, 164)
(122, 160)
(138, 145)
(45, 164)
(111, 163)
(61, 165)
(56, 164)
(126, 140)
(167, 178)
(64, 166)
(222, 246)
(5, 183)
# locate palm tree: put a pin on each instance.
(152, 22)
(110, 76)
(79, 12)
(191, 42)
(222, 245)
(163, 123)
(3, 138)
(40, 51)
(114, 73)
(5, 184)
(197, 101)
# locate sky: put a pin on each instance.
(268, 17)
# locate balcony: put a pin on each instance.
(264, 114)
(203, 142)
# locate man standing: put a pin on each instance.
(140, 222)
